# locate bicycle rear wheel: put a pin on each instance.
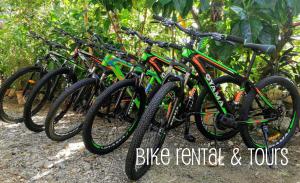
(207, 111)
(280, 114)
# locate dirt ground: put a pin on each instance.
(32, 157)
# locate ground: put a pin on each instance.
(32, 157)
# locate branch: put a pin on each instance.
(143, 28)
(196, 19)
(115, 22)
(295, 24)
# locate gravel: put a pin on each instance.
(32, 157)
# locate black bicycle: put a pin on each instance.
(72, 69)
(263, 121)
(16, 89)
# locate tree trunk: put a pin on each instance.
(296, 24)
(286, 33)
(142, 29)
(216, 10)
(86, 23)
(196, 19)
(115, 22)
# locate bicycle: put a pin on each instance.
(11, 110)
(122, 104)
(154, 123)
(84, 91)
(71, 70)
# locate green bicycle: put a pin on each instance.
(260, 117)
(116, 112)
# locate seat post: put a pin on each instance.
(251, 65)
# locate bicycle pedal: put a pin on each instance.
(189, 138)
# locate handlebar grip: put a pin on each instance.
(235, 39)
(125, 28)
(159, 18)
(57, 45)
(175, 46)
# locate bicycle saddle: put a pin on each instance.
(266, 48)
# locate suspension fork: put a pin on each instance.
(120, 98)
(139, 82)
(52, 89)
(97, 87)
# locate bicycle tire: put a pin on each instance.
(46, 80)
(141, 129)
(7, 84)
(87, 127)
(198, 107)
(251, 97)
(49, 122)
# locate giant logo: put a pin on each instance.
(214, 89)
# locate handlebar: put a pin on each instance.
(150, 41)
(235, 39)
(193, 33)
(64, 33)
(49, 43)
(135, 33)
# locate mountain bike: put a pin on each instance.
(23, 80)
(78, 98)
(116, 112)
(71, 70)
(258, 120)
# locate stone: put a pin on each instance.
(230, 143)
(48, 164)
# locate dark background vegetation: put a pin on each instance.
(258, 21)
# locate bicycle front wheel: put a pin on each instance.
(66, 115)
(114, 116)
(49, 87)
(152, 129)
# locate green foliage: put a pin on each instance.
(169, 6)
(258, 21)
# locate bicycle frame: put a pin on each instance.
(199, 59)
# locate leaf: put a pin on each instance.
(267, 4)
(268, 35)
(295, 5)
(164, 2)
(246, 31)
(150, 3)
(106, 24)
(256, 27)
(235, 30)
(239, 11)
(265, 38)
(204, 5)
(156, 8)
(187, 8)
(179, 5)
(167, 10)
